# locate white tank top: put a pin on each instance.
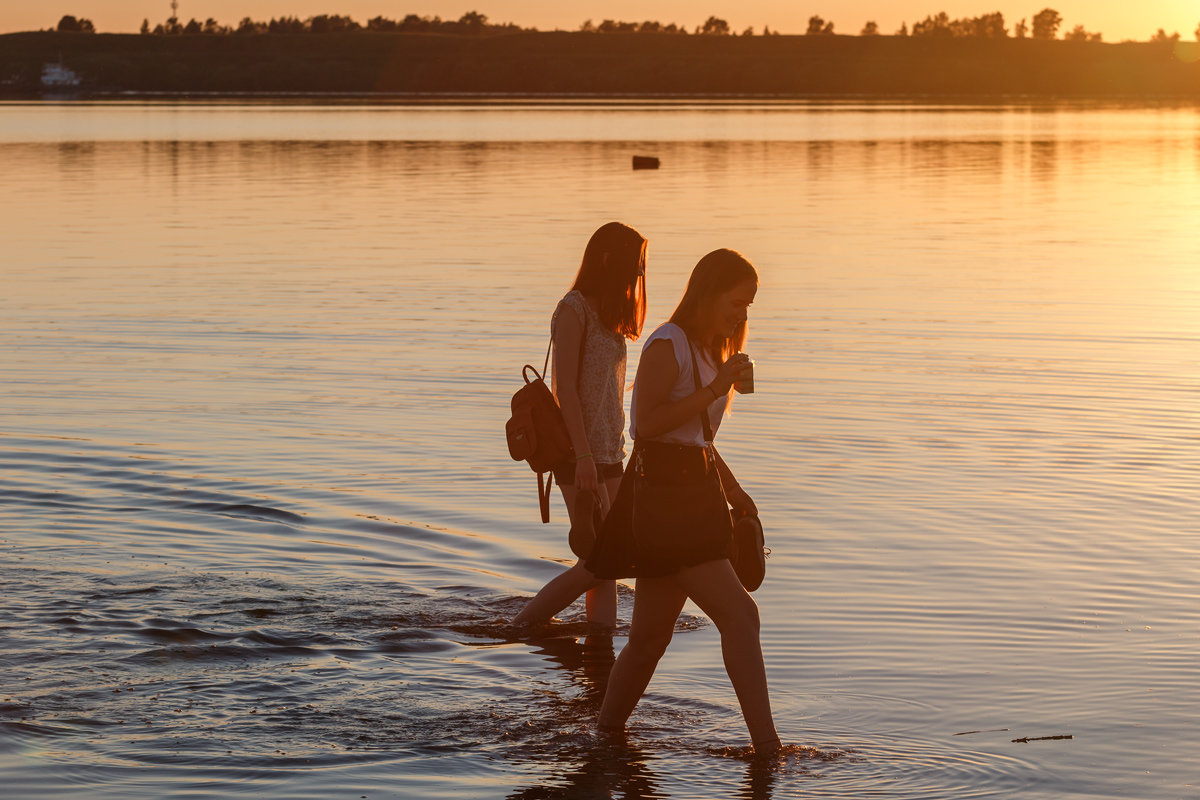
(690, 432)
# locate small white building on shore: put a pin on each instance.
(58, 76)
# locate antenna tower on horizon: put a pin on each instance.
(174, 9)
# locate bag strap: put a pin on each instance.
(544, 494)
(704, 421)
(582, 342)
(546, 363)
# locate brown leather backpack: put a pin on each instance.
(536, 431)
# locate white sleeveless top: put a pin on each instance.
(690, 432)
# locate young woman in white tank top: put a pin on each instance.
(680, 550)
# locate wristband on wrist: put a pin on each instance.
(582, 457)
(714, 392)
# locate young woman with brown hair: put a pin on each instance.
(670, 525)
(605, 306)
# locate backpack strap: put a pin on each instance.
(546, 363)
(582, 342)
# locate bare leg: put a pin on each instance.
(714, 587)
(601, 599)
(656, 606)
(567, 587)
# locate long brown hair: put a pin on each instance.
(717, 272)
(613, 276)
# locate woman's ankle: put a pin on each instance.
(610, 732)
(767, 746)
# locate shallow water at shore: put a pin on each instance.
(260, 534)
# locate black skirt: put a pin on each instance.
(669, 513)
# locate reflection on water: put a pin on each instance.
(260, 532)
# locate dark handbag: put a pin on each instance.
(674, 519)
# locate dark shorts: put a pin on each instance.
(564, 473)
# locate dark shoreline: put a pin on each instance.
(638, 67)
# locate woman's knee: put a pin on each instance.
(648, 647)
(740, 614)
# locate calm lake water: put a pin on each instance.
(260, 535)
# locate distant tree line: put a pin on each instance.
(1043, 25)
(471, 23)
(713, 26)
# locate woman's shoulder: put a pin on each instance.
(575, 301)
(668, 330)
(573, 298)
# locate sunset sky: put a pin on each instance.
(1116, 19)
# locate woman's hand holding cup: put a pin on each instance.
(737, 371)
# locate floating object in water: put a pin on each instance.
(645, 162)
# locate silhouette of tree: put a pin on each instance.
(714, 26)
(1080, 34)
(749, 31)
(935, 25)
(413, 23)
(332, 23)
(611, 26)
(1021, 29)
(193, 27)
(1045, 24)
(473, 22)
(285, 25)
(1162, 36)
(69, 24)
(145, 29)
(249, 26)
(649, 26)
(988, 26)
(870, 29)
(903, 29)
(818, 27)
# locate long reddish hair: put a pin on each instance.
(613, 276)
(717, 272)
